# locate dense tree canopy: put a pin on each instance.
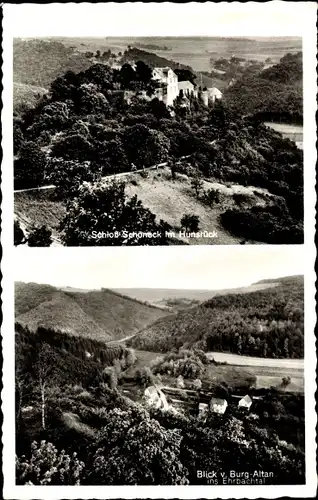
(274, 94)
(86, 123)
(266, 323)
(103, 215)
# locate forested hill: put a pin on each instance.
(39, 62)
(101, 314)
(266, 323)
(134, 54)
(274, 94)
(297, 278)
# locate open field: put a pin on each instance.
(229, 375)
(236, 377)
(292, 132)
(286, 128)
(194, 51)
(296, 385)
(237, 360)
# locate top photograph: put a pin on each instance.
(158, 141)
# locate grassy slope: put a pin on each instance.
(61, 313)
(26, 94)
(37, 208)
(101, 315)
(122, 315)
(38, 62)
(169, 200)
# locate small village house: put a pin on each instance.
(218, 405)
(214, 94)
(203, 411)
(155, 397)
(245, 402)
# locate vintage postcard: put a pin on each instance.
(181, 140)
(158, 223)
(195, 374)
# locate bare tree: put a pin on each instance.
(45, 372)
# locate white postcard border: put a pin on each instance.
(278, 18)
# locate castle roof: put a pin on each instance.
(213, 91)
(185, 85)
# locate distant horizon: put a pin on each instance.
(162, 37)
(172, 289)
(195, 268)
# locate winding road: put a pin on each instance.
(109, 177)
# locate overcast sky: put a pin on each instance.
(141, 19)
(200, 267)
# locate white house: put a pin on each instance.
(187, 88)
(245, 402)
(218, 405)
(210, 95)
(203, 410)
(214, 94)
(170, 80)
(155, 397)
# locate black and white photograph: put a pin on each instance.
(158, 140)
(157, 233)
(160, 384)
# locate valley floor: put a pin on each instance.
(267, 372)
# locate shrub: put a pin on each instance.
(19, 236)
(197, 384)
(197, 184)
(270, 225)
(144, 376)
(144, 174)
(48, 466)
(240, 198)
(190, 222)
(110, 377)
(40, 237)
(212, 197)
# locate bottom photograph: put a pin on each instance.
(152, 367)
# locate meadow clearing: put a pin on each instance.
(168, 199)
(251, 373)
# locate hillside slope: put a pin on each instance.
(175, 299)
(266, 323)
(101, 315)
(39, 62)
(25, 95)
(122, 315)
(275, 94)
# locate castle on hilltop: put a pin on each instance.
(170, 88)
(173, 88)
